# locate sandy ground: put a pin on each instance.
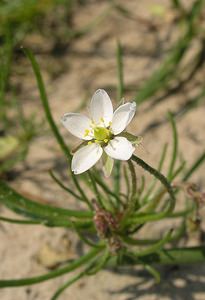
(90, 64)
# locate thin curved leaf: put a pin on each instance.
(27, 207)
(52, 274)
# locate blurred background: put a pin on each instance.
(77, 44)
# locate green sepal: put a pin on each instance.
(108, 164)
(135, 140)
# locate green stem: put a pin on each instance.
(83, 195)
(47, 221)
(117, 177)
(119, 54)
(120, 92)
(87, 271)
(174, 256)
(155, 200)
(178, 256)
(153, 248)
(178, 170)
(127, 182)
(19, 203)
(175, 147)
(147, 217)
(195, 166)
(132, 200)
(159, 176)
(141, 187)
(85, 240)
(67, 284)
(45, 103)
(153, 183)
(52, 274)
(101, 262)
(18, 221)
(53, 176)
(137, 242)
(106, 188)
(47, 110)
(177, 4)
(95, 189)
(6, 54)
(134, 179)
(153, 272)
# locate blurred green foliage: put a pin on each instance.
(171, 68)
(17, 19)
(23, 15)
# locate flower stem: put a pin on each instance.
(159, 176)
(106, 189)
(117, 178)
(95, 189)
(120, 92)
(175, 147)
(80, 190)
(132, 199)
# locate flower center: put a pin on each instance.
(102, 133)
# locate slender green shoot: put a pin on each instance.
(120, 73)
(120, 92)
(150, 269)
(95, 189)
(45, 103)
(175, 147)
(53, 176)
(52, 274)
(152, 185)
(194, 166)
(159, 176)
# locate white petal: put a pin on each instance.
(123, 116)
(77, 124)
(119, 148)
(101, 107)
(85, 158)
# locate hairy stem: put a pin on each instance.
(159, 176)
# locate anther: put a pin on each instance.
(87, 131)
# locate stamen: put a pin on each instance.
(92, 124)
(90, 142)
(87, 131)
(103, 121)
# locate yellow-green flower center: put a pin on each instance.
(102, 133)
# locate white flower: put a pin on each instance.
(102, 132)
